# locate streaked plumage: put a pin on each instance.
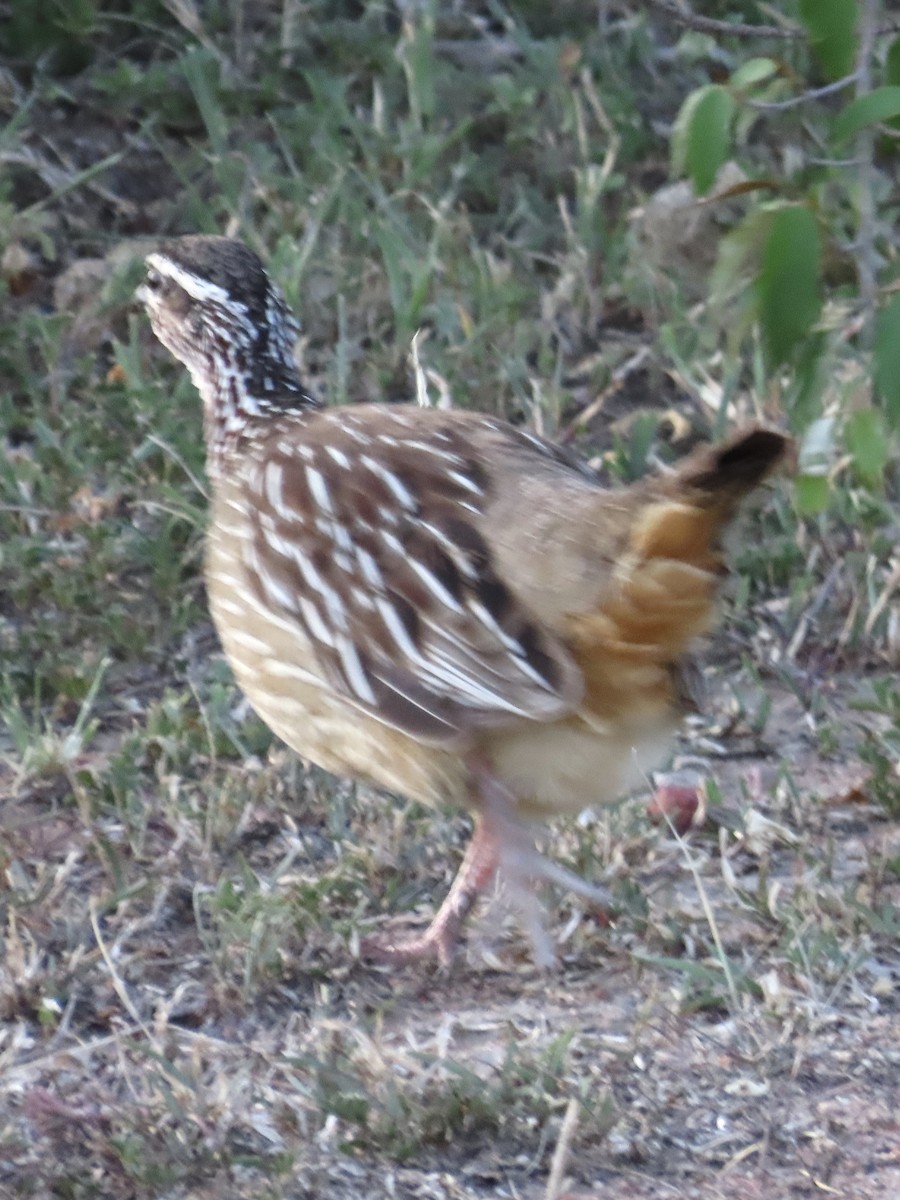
(434, 601)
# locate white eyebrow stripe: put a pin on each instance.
(199, 289)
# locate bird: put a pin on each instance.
(437, 602)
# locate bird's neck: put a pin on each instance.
(241, 389)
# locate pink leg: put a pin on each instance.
(501, 841)
(439, 940)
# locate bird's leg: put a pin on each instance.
(477, 870)
(501, 841)
(494, 815)
(520, 860)
(520, 865)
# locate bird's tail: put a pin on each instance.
(665, 582)
(731, 469)
(690, 507)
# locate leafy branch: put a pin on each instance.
(827, 208)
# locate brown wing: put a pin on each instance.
(367, 534)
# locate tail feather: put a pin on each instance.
(732, 469)
(664, 586)
(702, 495)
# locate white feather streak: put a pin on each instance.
(397, 488)
(318, 488)
(353, 670)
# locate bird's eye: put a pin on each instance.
(154, 280)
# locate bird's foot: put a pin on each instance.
(439, 941)
(437, 946)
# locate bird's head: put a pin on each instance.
(212, 304)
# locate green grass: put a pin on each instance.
(181, 1008)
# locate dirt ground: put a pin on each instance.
(613, 1076)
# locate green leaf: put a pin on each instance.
(811, 494)
(701, 138)
(887, 359)
(201, 71)
(892, 72)
(892, 62)
(803, 399)
(418, 51)
(788, 284)
(831, 25)
(880, 105)
(867, 441)
(739, 252)
(754, 70)
(680, 129)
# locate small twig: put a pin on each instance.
(292, 14)
(26, 510)
(561, 1153)
(710, 25)
(881, 603)
(614, 141)
(619, 377)
(423, 399)
(838, 163)
(177, 458)
(808, 616)
(427, 375)
(691, 20)
(187, 14)
(708, 913)
(866, 258)
(56, 1057)
(827, 89)
(118, 983)
(61, 180)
